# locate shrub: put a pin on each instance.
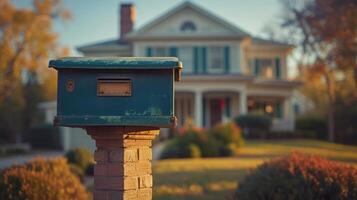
(81, 157)
(257, 126)
(195, 151)
(171, 150)
(44, 136)
(76, 170)
(222, 140)
(227, 134)
(41, 179)
(300, 177)
(312, 125)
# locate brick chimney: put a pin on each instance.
(127, 19)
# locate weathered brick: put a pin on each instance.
(100, 195)
(108, 183)
(145, 194)
(130, 183)
(100, 170)
(136, 143)
(143, 167)
(109, 143)
(137, 169)
(115, 169)
(130, 155)
(145, 181)
(145, 153)
(101, 155)
(130, 195)
(116, 155)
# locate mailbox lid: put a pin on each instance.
(116, 63)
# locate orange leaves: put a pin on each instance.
(27, 39)
(42, 179)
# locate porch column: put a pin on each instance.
(198, 108)
(242, 102)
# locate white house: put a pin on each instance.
(227, 72)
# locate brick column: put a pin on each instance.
(123, 168)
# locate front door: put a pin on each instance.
(215, 111)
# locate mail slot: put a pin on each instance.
(114, 87)
(116, 91)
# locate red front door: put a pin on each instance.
(215, 111)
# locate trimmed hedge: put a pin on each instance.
(81, 157)
(254, 126)
(222, 140)
(41, 179)
(312, 125)
(300, 177)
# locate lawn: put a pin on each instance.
(217, 178)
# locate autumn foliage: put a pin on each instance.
(41, 179)
(300, 176)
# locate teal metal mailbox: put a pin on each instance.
(116, 91)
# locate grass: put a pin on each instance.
(217, 178)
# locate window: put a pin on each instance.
(186, 56)
(161, 51)
(264, 67)
(271, 108)
(188, 26)
(216, 59)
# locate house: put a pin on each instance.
(227, 72)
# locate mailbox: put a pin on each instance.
(116, 91)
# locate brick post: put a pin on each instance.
(123, 168)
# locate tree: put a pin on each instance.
(27, 40)
(325, 31)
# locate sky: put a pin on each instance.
(94, 20)
(98, 20)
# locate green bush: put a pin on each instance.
(41, 179)
(254, 126)
(312, 125)
(222, 140)
(195, 151)
(81, 157)
(209, 147)
(227, 134)
(299, 177)
(44, 136)
(76, 170)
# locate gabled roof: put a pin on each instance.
(114, 44)
(261, 41)
(198, 9)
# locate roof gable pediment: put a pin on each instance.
(188, 15)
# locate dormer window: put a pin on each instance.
(188, 26)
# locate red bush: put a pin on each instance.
(300, 176)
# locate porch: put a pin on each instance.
(210, 107)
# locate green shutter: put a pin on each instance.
(195, 60)
(173, 51)
(277, 68)
(148, 51)
(228, 107)
(256, 67)
(278, 110)
(226, 59)
(204, 112)
(204, 59)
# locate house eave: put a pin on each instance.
(184, 37)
